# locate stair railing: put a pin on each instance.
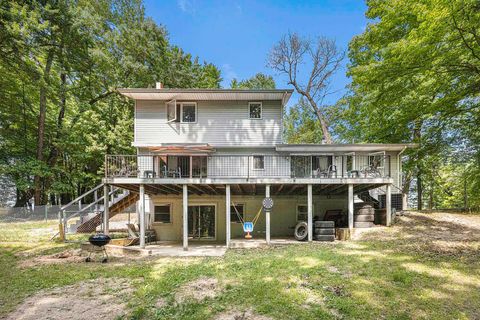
(62, 214)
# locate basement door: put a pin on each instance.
(201, 222)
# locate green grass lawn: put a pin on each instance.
(427, 266)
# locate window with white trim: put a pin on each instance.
(255, 110)
(162, 214)
(302, 212)
(258, 162)
(235, 215)
(184, 112)
(189, 112)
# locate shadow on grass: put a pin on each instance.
(402, 272)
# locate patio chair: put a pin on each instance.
(171, 173)
(328, 173)
(150, 235)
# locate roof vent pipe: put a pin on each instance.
(158, 85)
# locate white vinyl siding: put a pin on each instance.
(218, 123)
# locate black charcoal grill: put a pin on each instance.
(98, 242)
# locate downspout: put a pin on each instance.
(281, 119)
(400, 168)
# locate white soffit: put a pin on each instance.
(207, 94)
(367, 147)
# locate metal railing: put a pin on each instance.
(80, 209)
(248, 166)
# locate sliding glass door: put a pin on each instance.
(201, 222)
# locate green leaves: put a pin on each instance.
(258, 81)
(97, 47)
(414, 71)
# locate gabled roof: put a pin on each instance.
(167, 94)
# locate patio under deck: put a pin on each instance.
(199, 248)
(171, 249)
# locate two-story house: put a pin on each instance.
(206, 158)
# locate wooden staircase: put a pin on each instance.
(366, 197)
(118, 207)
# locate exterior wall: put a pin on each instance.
(218, 123)
(283, 216)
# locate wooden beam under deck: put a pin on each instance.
(249, 189)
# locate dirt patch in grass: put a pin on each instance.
(240, 315)
(198, 290)
(67, 256)
(433, 234)
(94, 299)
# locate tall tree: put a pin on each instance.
(61, 63)
(316, 61)
(415, 77)
(301, 124)
(258, 81)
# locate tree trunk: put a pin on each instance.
(39, 197)
(54, 152)
(419, 188)
(430, 204)
(22, 198)
(323, 123)
(417, 137)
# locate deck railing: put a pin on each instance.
(248, 166)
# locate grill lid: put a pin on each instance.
(99, 240)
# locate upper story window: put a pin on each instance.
(184, 112)
(255, 110)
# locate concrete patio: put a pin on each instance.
(171, 249)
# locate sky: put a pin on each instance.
(237, 36)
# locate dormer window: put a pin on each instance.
(255, 110)
(183, 112)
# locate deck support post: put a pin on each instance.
(350, 207)
(106, 207)
(227, 215)
(185, 217)
(142, 216)
(267, 216)
(388, 204)
(310, 212)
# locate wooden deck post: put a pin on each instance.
(142, 216)
(185, 217)
(267, 216)
(227, 214)
(106, 207)
(350, 207)
(310, 212)
(388, 204)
